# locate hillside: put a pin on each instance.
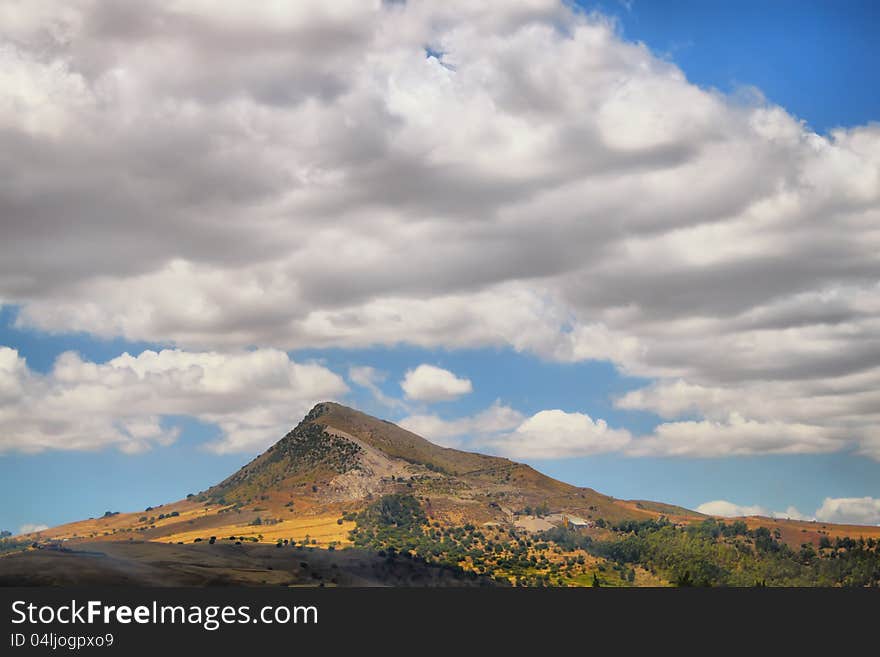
(335, 461)
(350, 456)
(342, 478)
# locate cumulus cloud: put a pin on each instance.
(853, 510)
(735, 436)
(593, 205)
(763, 417)
(791, 513)
(845, 510)
(494, 420)
(730, 510)
(432, 384)
(557, 434)
(727, 509)
(32, 528)
(252, 396)
(503, 430)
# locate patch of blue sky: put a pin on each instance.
(817, 59)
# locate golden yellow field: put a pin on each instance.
(322, 529)
(198, 521)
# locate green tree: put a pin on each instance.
(685, 579)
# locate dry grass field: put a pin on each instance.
(321, 531)
(797, 532)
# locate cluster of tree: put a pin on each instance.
(714, 553)
(640, 526)
(568, 539)
(161, 516)
(540, 510)
(397, 510)
(395, 526)
(308, 446)
(242, 539)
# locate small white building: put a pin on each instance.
(577, 523)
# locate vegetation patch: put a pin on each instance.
(396, 527)
(307, 451)
(715, 553)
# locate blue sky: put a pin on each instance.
(816, 59)
(532, 330)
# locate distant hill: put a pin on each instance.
(350, 457)
(342, 478)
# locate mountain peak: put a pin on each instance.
(323, 408)
(339, 458)
(338, 461)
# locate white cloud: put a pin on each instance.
(370, 378)
(730, 510)
(449, 433)
(432, 384)
(503, 430)
(557, 434)
(366, 376)
(32, 528)
(791, 513)
(844, 510)
(735, 436)
(852, 510)
(727, 509)
(299, 177)
(252, 396)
